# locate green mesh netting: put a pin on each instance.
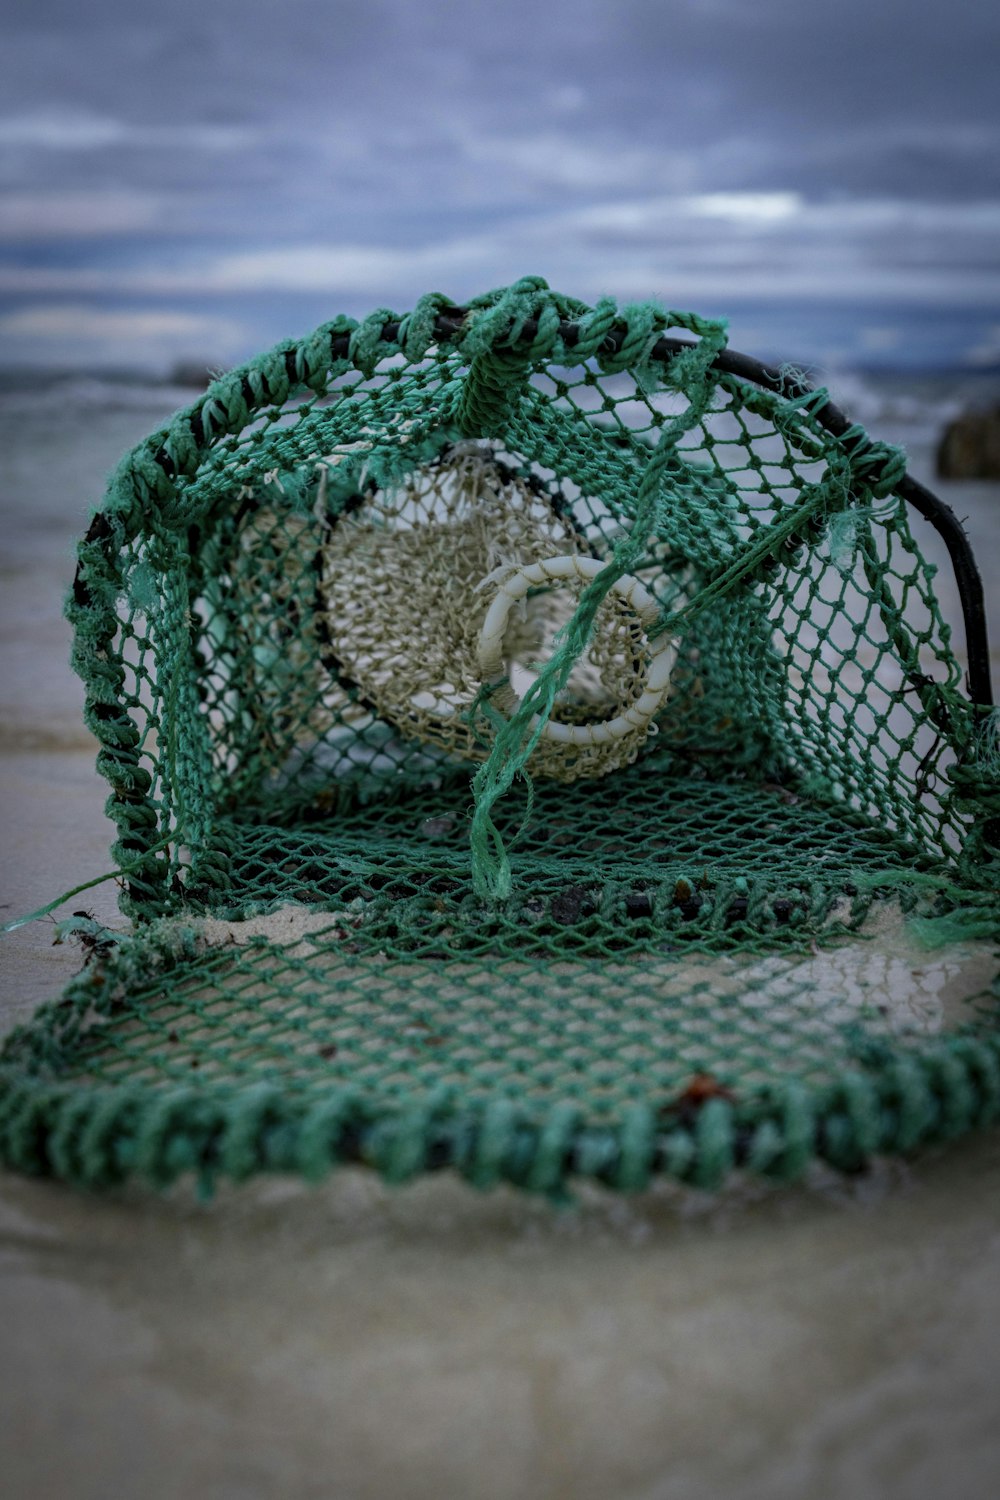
(534, 751)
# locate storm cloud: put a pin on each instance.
(193, 179)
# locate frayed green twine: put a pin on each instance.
(986, 756)
(847, 528)
(518, 737)
(974, 924)
(126, 869)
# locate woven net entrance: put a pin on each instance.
(408, 579)
(536, 749)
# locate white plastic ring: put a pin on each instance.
(662, 650)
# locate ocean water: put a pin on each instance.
(58, 444)
(61, 437)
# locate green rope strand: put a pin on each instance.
(515, 742)
(119, 870)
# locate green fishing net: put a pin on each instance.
(537, 750)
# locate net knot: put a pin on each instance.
(314, 365)
(880, 467)
(593, 327)
(500, 319)
(975, 788)
(272, 369)
(644, 322)
(976, 778)
(417, 330)
(367, 344)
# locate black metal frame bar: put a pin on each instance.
(451, 322)
(829, 416)
(924, 501)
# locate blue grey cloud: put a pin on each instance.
(201, 173)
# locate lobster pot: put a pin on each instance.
(536, 748)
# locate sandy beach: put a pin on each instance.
(834, 1339)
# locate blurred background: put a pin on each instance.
(183, 184)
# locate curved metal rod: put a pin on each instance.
(924, 501)
(930, 506)
(451, 323)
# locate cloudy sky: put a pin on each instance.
(193, 179)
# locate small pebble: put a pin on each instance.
(437, 828)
